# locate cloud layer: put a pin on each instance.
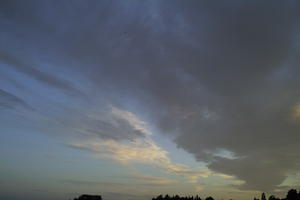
(142, 150)
(214, 77)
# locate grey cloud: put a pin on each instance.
(154, 182)
(104, 124)
(217, 75)
(91, 183)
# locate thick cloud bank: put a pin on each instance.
(216, 76)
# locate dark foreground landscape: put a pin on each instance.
(291, 195)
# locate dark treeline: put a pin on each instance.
(176, 197)
(291, 195)
(89, 197)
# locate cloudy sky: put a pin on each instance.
(131, 99)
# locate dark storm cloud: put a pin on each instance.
(218, 75)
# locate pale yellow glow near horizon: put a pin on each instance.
(297, 112)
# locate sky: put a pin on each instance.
(132, 99)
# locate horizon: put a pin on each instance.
(133, 99)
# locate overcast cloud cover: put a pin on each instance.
(214, 76)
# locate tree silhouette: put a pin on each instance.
(292, 195)
(272, 197)
(89, 197)
(209, 198)
(177, 197)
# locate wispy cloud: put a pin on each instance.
(142, 150)
(132, 119)
(9, 100)
(35, 73)
(91, 183)
(151, 180)
(135, 179)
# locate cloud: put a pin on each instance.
(35, 73)
(109, 123)
(199, 188)
(132, 119)
(143, 151)
(134, 180)
(151, 180)
(139, 149)
(91, 183)
(9, 101)
(211, 76)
